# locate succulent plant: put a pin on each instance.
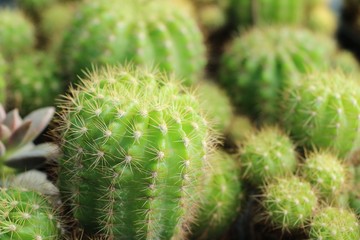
(17, 34)
(3, 68)
(346, 61)
(221, 200)
(266, 12)
(255, 71)
(143, 32)
(133, 161)
(33, 77)
(322, 111)
(266, 155)
(289, 203)
(26, 215)
(334, 224)
(240, 128)
(17, 150)
(217, 105)
(321, 18)
(326, 174)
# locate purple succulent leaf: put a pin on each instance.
(4, 132)
(17, 136)
(2, 113)
(34, 157)
(40, 118)
(2, 149)
(13, 119)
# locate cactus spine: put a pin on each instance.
(144, 32)
(133, 159)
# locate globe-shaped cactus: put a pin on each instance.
(143, 32)
(133, 161)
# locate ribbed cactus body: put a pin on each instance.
(266, 155)
(216, 104)
(26, 215)
(17, 34)
(3, 67)
(289, 203)
(221, 198)
(249, 12)
(144, 32)
(260, 63)
(135, 148)
(322, 110)
(335, 224)
(33, 82)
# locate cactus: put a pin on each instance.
(326, 174)
(17, 150)
(266, 155)
(144, 32)
(262, 12)
(346, 61)
(322, 111)
(55, 20)
(255, 71)
(221, 198)
(321, 18)
(216, 104)
(3, 68)
(289, 203)
(26, 215)
(33, 82)
(17, 34)
(133, 160)
(334, 224)
(240, 128)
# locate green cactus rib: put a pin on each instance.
(135, 147)
(326, 173)
(322, 110)
(265, 12)
(267, 154)
(255, 71)
(26, 215)
(33, 82)
(17, 34)
(3, 68)
(143, 32)
(221, 200)
(289, 203)
(334, 224)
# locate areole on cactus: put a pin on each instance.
(133, 160)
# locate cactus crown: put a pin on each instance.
(148, 149)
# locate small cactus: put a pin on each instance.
(26, 215)
(326, 174)
(334, 224)
(33, 82)
(17, 34)
(289, 203)
(255, 71)
(143, 32)
(133, 160)
(322, 110)
(221, 200)
(267, 154)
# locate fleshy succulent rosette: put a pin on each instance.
(17, 150)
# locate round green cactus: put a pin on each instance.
(3, 68)
(322, 110)
(334, 224)
(289, 203)
(325, 173)
(262, 12)
(255, 71)
(133, 160)
(267, 154)
(26, 215)
(17, 34)
(33, 82)
(221, 198)
(346, 61)
(143, 32)
(216, 104)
